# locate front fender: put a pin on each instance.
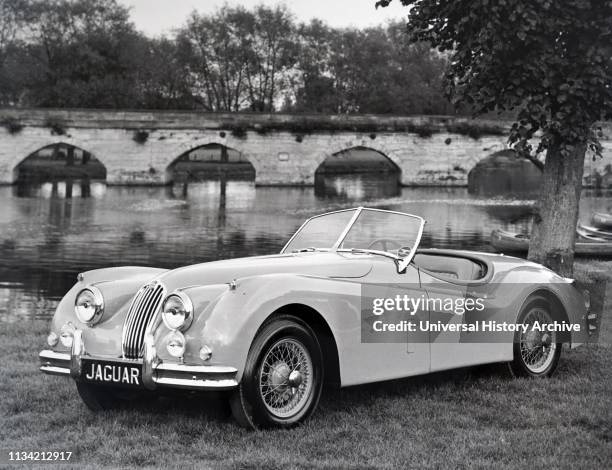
(118, 287)
(228, 324)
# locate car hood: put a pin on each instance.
(334, 265)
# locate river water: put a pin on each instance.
(49, 232)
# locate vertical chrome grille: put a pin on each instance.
(142, 311)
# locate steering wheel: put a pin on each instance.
(384, 244)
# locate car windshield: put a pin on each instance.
(372, 230)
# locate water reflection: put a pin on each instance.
(357, 187)
(49, 235)
(66, 189)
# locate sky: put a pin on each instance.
(155, 17)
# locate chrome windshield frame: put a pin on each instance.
(403, 262)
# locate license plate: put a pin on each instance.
(112, 373)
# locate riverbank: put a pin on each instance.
(471, 417)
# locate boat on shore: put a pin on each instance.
(511, 242)
(602, 221)
(593, 233)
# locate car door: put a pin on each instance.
(394, 353)
(453, 349)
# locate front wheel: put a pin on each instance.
(536, 353)
(283, 377)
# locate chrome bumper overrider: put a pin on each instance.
(155, 373)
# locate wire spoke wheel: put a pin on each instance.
(537, 348)
(285, 378)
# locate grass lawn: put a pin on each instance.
(472, 417)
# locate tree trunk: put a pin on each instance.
(554, 227)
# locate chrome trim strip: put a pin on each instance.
(76, 354)
(141, 314)
(154, 305)
(347, 228)
(54, 370)
(54, 363)
(154, 372)
(406, 261)
(135, 299)
(149, 362)
(197, 383)
(54, 356)
(165, 366)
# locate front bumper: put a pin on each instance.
(155, 373)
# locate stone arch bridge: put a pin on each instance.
(138, 147)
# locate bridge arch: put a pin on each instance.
(210, 158)
(379, 158)
(341, 145)
(505, 172)
(57, 159)
(358, 172)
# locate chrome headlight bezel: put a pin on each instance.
(98, 304)
(187, 308)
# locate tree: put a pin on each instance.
(161, 75)
(272, 55)
(376, 70)
(217, 49)
(83, 50)
(13, 18)
(551, 63)
(315, 87)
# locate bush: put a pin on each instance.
(57, 125)
(239, 132)
(140, 136)
(475, 130)
(12, 125)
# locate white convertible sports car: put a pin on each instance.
(271, 330)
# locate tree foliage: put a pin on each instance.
(87, 53)
(216, 58)
(376, 70)
(82, 52)
(548, 61)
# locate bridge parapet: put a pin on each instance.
(137, 147)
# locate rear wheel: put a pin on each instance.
(283, 376)
(536, 353)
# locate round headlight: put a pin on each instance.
(176, 344)
(177, 311)
(89, 305)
